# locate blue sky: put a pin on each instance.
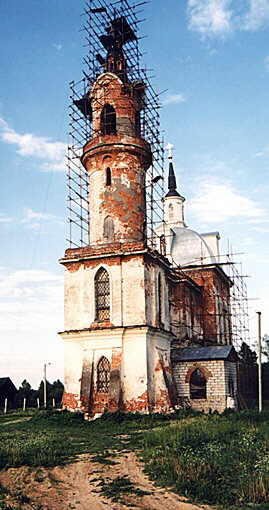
(213, 57)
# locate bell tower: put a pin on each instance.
(117, 327)
(116, 159)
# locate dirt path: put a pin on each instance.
(79, 486)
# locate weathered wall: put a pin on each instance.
(185, 311)
(127, 298)
(147, 387)
(216, 304)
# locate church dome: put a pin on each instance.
(189, 248)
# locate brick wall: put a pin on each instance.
(216, 384)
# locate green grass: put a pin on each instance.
(214, 459)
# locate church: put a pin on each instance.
(147, 325)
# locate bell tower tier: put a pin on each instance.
(116, 165)
(116, 160)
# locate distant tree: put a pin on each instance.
(247, 354)
(266, 346)
(57, 391)
(54, 390)
(25, 392)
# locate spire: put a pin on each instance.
(172, 183)
(173, 201)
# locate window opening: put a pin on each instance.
(102, 295)
(108, 177)
(162, 245)
(171, 212)
(108, 120)
(160, 299)
(103, 375)
(197, 385)
(137, 124)
(109, 229)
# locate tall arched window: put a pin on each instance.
(109, 229)
(171, 212)
(108, 120)
(197, 385)
(103, 375)
(102, 295)
(160, 298)
(108, 176)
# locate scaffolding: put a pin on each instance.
(232, 317)
(100, 18)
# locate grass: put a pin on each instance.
(213, 459)
(119, 487)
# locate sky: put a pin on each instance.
(211, 59)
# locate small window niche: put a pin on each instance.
(109, 229)
(108, 176)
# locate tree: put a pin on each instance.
(266, 345)
(25, 392)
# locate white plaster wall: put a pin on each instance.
(134, 363)
(73, 357)
(158, 349)
(133, 292)
(89, 346)
(174, 211)
(127, 297)
(212, 240)
(152, 298)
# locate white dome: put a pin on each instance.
(189, 248)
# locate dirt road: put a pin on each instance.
(89, 485)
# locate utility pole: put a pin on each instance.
(45, 384)
(259, 361)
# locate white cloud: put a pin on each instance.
(258, 15)
(174, 99)
(58, 47)
(29, 296)
(220, 17)
(5, 219)
(35, 146)
(210, 17)
(30, 216)
(220, 202)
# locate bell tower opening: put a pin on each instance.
(108, 120)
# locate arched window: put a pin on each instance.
(197, 385)
(108, 120)
(108, 176)
(160, 299)
(137, 124)
(171, 212)
(103, 375)
(109, 229)
(102, 295)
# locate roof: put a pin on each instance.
(6, 381)
(215, 352)
(189, 248)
